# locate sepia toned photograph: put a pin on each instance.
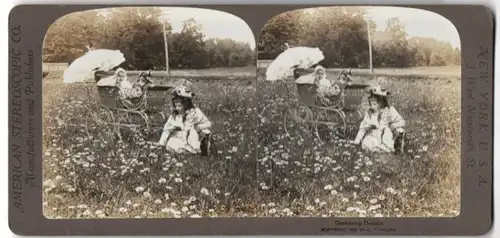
(173, 112)
(149, 112)
(359, 113)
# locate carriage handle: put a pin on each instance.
(89, 98)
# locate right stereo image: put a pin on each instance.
(360, 113)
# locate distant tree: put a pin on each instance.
(341, 33)
(67, 38)
(187, 48)
(232, 53)
(431, 52)
(394, 51)
(138, 33)
(284, 28)
(457, 56)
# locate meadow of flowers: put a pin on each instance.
(254, 169)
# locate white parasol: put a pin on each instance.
(83, 68)
(303, 57)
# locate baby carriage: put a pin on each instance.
(112, 116)
(132, 119)
(330, 118)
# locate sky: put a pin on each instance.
(417, 23)
(214, 23)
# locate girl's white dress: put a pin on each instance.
(376, 131)
(182, 136)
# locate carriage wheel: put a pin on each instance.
(353, 118)
(156, 121)
(99, 124)
(296, 122)
(132, 126)
(330, 125)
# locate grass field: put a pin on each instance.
(256, 170)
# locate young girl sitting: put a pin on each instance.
(382, 125)
(186, 126)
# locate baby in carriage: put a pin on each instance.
(329, 91)
(128, 90)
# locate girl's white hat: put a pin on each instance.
(182, 91)
(379, 91)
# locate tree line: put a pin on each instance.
(138, 33)
(342, 34)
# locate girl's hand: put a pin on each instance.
(354, 142)
(203, 134)
(176, 127)
(205, 131)
(156, 143)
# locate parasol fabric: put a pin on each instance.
(83, 68)
(303, 57)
